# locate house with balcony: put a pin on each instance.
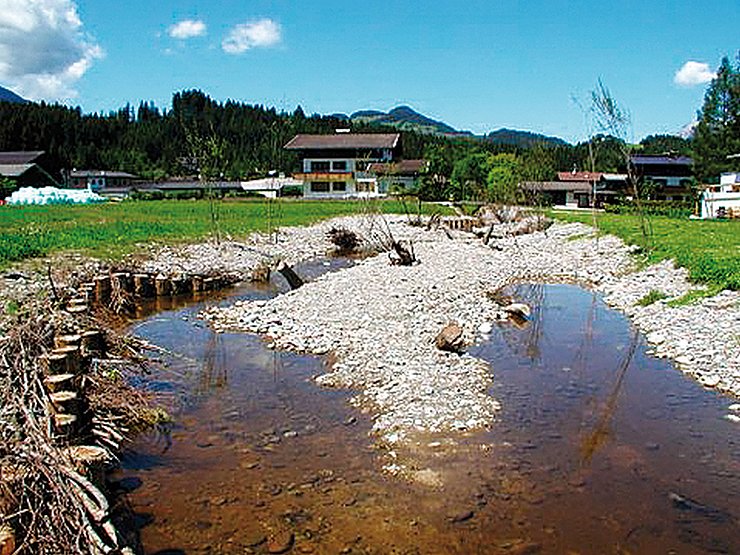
(340, 165)
(672, 175)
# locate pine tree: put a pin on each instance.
(718, 131)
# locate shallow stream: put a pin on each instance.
(599, 448)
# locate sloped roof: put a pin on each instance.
(20, 156)
(14, 170)
(575, 186)
(402, 167)
(343, 141)
(579, 176)
(99, 173)
(647, 159)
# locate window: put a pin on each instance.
(339, 186)
(339, 166)
(319, 186)
(320, 166)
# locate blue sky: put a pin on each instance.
(475, 65)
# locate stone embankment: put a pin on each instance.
(379, 321)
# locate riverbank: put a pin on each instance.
(379, 321)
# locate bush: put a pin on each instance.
(669, 208)
(292, 191)
(345, 240)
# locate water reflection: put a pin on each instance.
(599, 448)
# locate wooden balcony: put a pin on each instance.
(324, 176)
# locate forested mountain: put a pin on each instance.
(155, 143)
(524, 139)
(243, 140)
(405, 117)
(6, 95)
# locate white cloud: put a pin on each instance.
(43, 50)
(187, 29)
(256, 34)
(693, 73)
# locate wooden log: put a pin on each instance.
(144, 286)
(211, 284)
(123, 282)
(77, 301)
(60, 382)
(72, 358)
(67, 340)
(90, 461)
(65, 425)
(65, 402)
(102, 289)
(78, 310)
(290, 276)
(93, 343)
(54, 363)
(180, 286)
(260, 274)
(87, 291)
(162, 286)
(7, 540)
(196, 284)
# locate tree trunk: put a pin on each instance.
(290, 276)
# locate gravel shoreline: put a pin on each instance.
(379, 321)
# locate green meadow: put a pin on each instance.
(113, 230)
(709, 249)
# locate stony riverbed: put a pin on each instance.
(379, 321)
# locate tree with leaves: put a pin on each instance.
(717, 134)
(470, 176)
(503, 178)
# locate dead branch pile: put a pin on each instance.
(381, 239)
(346, 240)
(508, 221)
(50, 483)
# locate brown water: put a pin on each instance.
(599, 449)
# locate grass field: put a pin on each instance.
(710, 249)
(114, 229)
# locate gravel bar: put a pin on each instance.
(379, 321)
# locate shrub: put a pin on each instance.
(669, 208)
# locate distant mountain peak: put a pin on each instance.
(406, 118)
(688, 130)
(6, 95)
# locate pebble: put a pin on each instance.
(281, 542)
(462, 516)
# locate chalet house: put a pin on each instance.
(338, 166)
(398, 176)
(673, 175)
(25, 169)
(95, 180)
(577, 189)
